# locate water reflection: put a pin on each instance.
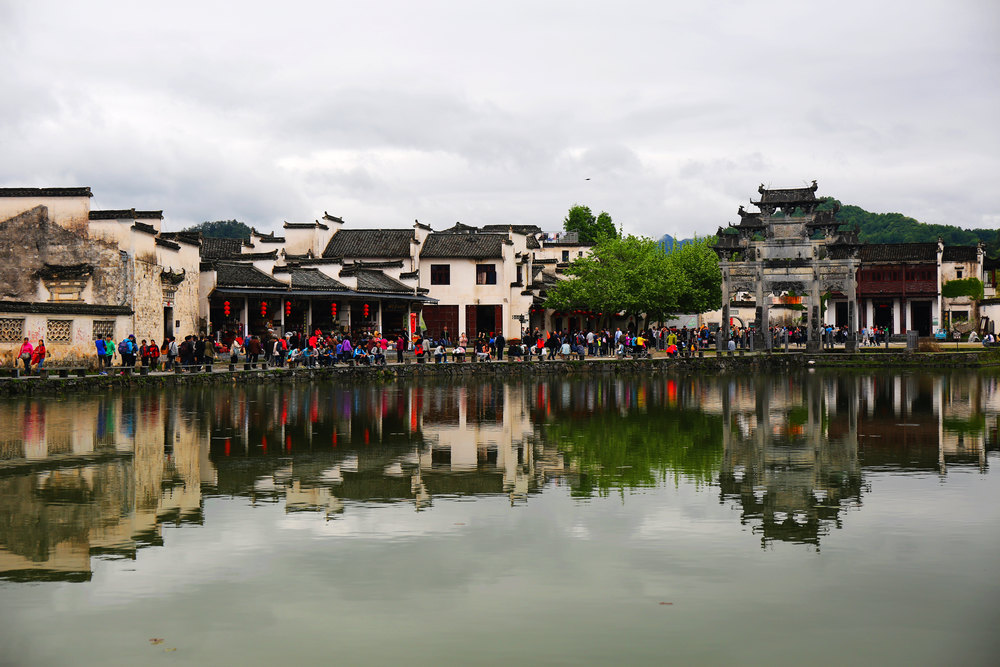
(100, 476)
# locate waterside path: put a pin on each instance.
(710, 362)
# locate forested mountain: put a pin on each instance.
(222, 229)
(898, 228)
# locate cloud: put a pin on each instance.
(389, 112)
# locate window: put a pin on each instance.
(104, 328)
(486, 274)
(11, 329)
(565, 255)
(519, 275)
(958, 272)
(59, 331)
(440, 274)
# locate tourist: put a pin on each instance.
(38, 356)
(154, 356)
(109, 351)
(400, 347)
(144, 353)
(99, 344)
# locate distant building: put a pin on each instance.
(463, 279)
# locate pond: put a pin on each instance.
(814, 517)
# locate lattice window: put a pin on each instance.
(104, 328)
(11, 329)
(59, 331)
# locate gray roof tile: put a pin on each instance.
(383, 243)
(244, 275)
(465, 245)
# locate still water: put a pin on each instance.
(814, 518)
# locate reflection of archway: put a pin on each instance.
(780, 462)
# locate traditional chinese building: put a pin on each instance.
(69, 274)
(788, 248)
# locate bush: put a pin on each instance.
(928, 346)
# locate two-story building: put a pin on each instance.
(69, 274)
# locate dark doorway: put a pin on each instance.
(168, 322)
(920, 317)
(841, 314)
(883, 314)
(487, 321)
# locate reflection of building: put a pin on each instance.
(100, 475)
(790, 476)
(96, 476)
(795, 449)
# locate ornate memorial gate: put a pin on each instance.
(788, 247)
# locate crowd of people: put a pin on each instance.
(371, 348)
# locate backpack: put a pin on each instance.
(123, 347)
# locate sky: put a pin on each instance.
(667, 115)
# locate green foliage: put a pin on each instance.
(634, 274)
(590, 227)
(701, 287)
(898, 228)
(970, 287)
(222, 229)
(630, 449)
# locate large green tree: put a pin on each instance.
(635, 275)
(590, 227)
(222, 229)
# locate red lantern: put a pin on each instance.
(263, 309)
(366, 310)
(288, 308)
(333, 310)
(225, 308)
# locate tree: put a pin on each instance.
(222, 229)
(591, 229)
(698, 265)
(636, 276)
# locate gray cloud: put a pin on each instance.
(389, 112)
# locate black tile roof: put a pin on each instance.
(787, 195)
(898, 252)
(305, 225)
(212, 248)
(376, 281)
(113, 214)
(464, 245)
(960, 253)
(191, 238)
(313, 279)
(360, 266)
(51, 308)
(370, 243)
(519, 229)
(46, 192)
(167, 244)
(244, 275)
(143, 227)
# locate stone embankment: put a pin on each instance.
(710, 363)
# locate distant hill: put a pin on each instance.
(668, 241)
(898, 228)
(222, 229)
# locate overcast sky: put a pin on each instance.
(388, 111)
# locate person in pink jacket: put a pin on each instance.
(25, 354)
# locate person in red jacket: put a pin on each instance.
(38, 356)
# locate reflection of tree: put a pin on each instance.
(638, 448)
